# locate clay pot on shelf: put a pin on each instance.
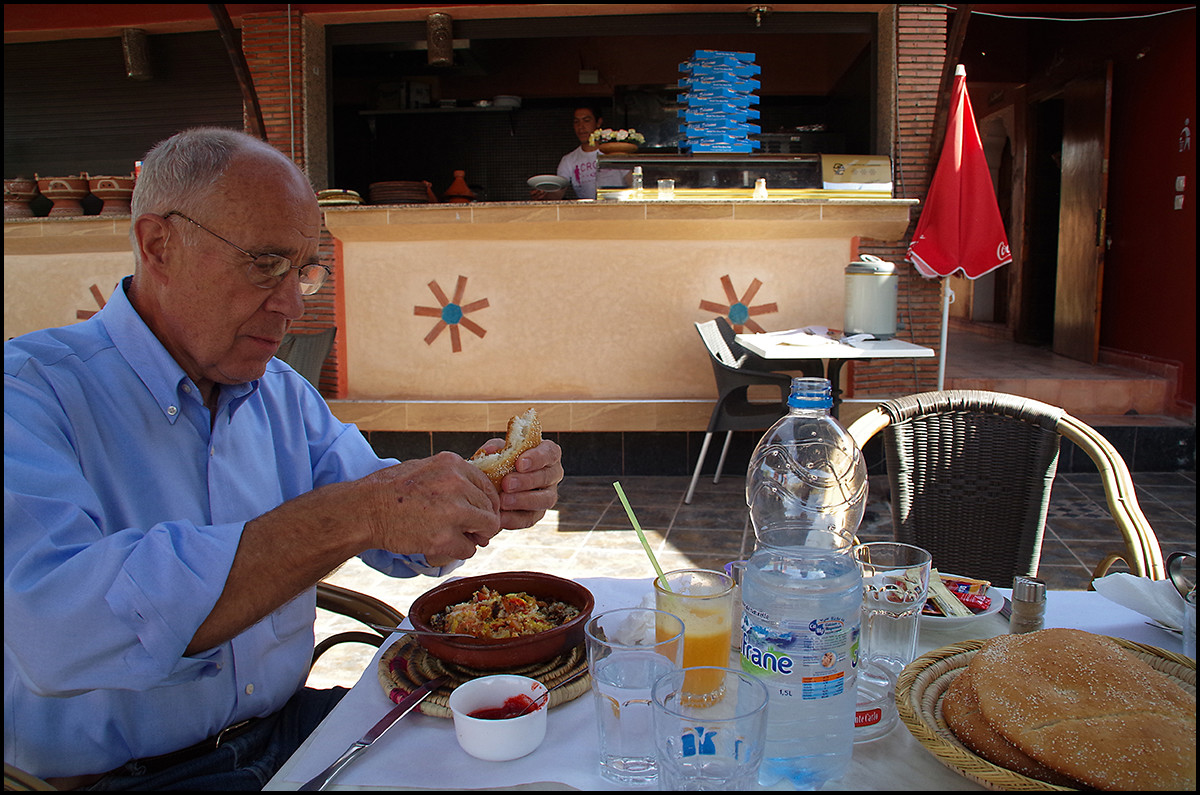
(115, 192)
(458, 192)
(17, 195)
(617, 147)
(65, 192)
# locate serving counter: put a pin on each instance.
(457, 315)
(450, 317)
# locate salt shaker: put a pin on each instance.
(1029, 605)
(637, 181)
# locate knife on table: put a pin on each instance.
(402, 708)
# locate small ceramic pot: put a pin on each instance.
(499, 738)
(65, 192)
(17, 195)
(115, 192)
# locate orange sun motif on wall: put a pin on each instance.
(84, 314)
(452, 314)
(739, 310)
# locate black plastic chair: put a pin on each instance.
(971, 473)
(306, 353)
(734, 410)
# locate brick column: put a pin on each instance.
(273, 46)
(920, 52)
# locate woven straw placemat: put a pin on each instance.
(406, 664)
(924, 682)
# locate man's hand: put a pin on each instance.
(532, 489)
(441, 507)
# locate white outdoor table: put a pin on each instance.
(421, 751)
(797, 352)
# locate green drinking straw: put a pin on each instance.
(641, 536)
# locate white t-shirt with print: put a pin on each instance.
(580, 168)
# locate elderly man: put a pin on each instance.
(172, 493)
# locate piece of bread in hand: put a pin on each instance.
(524, 433)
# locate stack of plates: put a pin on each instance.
(338, 198)
(399, 193)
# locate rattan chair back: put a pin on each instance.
(971, 474)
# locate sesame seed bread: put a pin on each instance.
(1078, 704)
(524, 433)
(960, 710)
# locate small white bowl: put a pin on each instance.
(498, 740)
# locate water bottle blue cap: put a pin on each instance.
(811, 393)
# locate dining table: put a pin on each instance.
(421, 752)
(800, 349)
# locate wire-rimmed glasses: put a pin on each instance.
(268, 270)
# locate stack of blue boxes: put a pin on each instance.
(716, 109)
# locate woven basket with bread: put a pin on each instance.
(1056, 709)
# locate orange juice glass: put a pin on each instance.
(704, 600)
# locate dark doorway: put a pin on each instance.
(1045, 188)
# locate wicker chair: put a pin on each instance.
(971, 472)
(334, 598)
(734, 410)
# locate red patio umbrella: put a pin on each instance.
(960, 226)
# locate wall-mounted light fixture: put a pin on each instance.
(758, 12)
(135, 46)
(440, 39)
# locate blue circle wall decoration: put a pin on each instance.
(452, 314)
(740, 310)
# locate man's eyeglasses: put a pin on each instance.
(268, 270)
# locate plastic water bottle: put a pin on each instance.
(800, 630)
(807, 481)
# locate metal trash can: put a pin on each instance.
(871, 289)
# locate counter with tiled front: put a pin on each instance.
(456, 316)
(453, 317)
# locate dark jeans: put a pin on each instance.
(244, 763)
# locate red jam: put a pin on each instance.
(511, 708)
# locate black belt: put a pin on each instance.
(156, 764)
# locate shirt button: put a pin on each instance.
(187, 388)
(172, 410)
(250, 690)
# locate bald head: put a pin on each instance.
(182, 172)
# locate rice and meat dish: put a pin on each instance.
(488, 614)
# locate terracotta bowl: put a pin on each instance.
(493, 654)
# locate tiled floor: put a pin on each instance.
(589, 534)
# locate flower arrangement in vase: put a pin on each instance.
(616, 141)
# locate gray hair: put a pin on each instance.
(180, 172)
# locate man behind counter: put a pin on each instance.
(580, 164)
(172, 494)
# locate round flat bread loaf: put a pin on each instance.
(1077, 703)
(960, 710)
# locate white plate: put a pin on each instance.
(547, 182)
(946, 622)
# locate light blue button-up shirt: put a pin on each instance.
(123, 509)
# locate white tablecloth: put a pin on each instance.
(421, 752)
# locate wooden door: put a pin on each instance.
(1087, 103)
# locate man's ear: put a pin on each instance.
(151, 233)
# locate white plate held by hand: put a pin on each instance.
(547, 182)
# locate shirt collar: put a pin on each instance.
(151, 361)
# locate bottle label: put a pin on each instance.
(805, 661)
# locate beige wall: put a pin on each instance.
(50, 266)
(569, 319)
